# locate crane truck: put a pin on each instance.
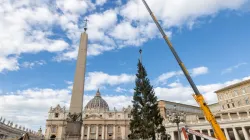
(197, 95)
(186, 130)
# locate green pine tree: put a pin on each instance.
(146, 120)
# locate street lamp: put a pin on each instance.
(177, 117)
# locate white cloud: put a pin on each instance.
(96, 49)
(183, 94)
(100, 2)
(177, 13)
(199, 71)
(163, 78)
(72, 6)
(230, 69)
(93, 50)
(29, 24)
(25, 28)
(27, 64)
(98, 25)
(120, 90)
(9, 64)
(95, 80)
(125, 31)
(30, 107)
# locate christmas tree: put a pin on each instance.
(146, 120)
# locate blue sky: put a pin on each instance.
(39, 42)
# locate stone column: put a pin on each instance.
(106, 132)
(103, 131)
(97, 129)
(238, 114)
(245, 133)
(226, 133)
(248, 114)
(198, 119)
(236, 134)
(194, 137)
(124, 131)
(88, 134)
(82, 133)
(201, 137)
(114, 132)
(229, 116)
(209, 132)
(221, 117)
(172, 135)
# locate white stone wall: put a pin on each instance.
(8, 130)
(118, 120)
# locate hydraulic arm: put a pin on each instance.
(197, 96)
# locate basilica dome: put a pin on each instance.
(97, 104)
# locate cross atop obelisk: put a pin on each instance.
(86, 25)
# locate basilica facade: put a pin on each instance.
(99, 121)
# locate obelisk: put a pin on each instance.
(74, 118)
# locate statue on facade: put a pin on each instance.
(15, 125)
(74, 117)
(25, 137)
(3, 120)
(11, 124)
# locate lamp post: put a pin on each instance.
(177, 117)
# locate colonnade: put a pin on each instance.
(103, 132)
(231, 133)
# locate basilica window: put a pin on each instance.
(100, 129)
(221, 97)
(232, 104)
(232, 94)
(235, 93)
(247, 100)
(239, 103)
(243, 91)
(92, 129)
(118, 116)
(85, 130)
(228, 106)
(119, 129)
(110, 115)
(56, 115)
(225, 96)
(53, 129)
(110, 129)
(129, 115)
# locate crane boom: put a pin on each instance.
(197, 96)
